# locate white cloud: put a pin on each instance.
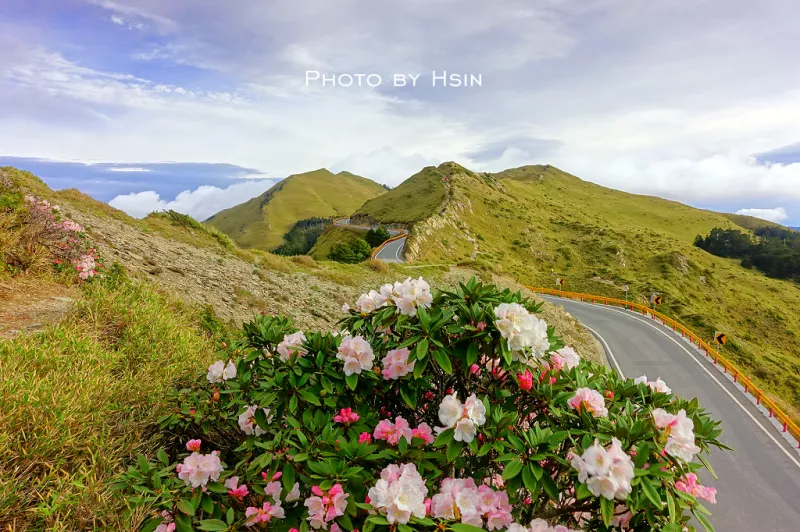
(127, 169)
(199, 203)
(776, 215)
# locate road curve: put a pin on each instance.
(759, 482)
(394, 251)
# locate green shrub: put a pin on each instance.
(351, 252)
(305, 430)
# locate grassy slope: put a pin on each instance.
(548, 223)
(333, 235)
(416, 198)
(262, 221)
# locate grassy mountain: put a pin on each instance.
(261, 222)
(536, 223)
(418, 197)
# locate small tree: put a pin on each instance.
(376, 237)
(350, 252)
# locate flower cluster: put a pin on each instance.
(688, 484)
(679, 431)
(462, 497)
(325, 506)
(522, 330)
(657, 385)
(219, 371)
(399, 493)
(346, 416)
(392, 432)
(292, 344)
(86, 265)
(396, 365)
(406, 296)
(588, 400)
(236, 490)
(197, 469)
(247, 421)
(69, 225)
(264, 514)
(356, 353)
(606, 473)
(464, 417)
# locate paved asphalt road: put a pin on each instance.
(391, 252)
(759, 483)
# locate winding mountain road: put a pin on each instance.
(759, 482)
(393, 251)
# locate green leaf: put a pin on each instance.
(212, 524)
(186, 507)
(309, 397)
(583, 492)
(512, 469)
(463, 527)
(703, 520)
(230, 516)
(421, 350)
(409, 397)
(443, 360)
(472, 354)
(352, 381)
(444, 438)
(288, 477)
(606, 510)
(651, 493)
(671, 507)
(707, 466)
(550, 486)
(529, 479)
(453, 450)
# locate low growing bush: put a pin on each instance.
(430, 411)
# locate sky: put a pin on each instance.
(198, 105)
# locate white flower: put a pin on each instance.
(197, 469)
(356, 353)
(607, 473)
(292, 344)
(465, 430)
(247, 421)
(523, 331)
(400, 497)
(218, 371)
(450, 411)
(464, 417)
(294, 493)
(657, 386)
(410, 295)
(475, 410)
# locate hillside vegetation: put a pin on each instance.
(261, 222)
(83, 390)
(537, 223)
(418, 197)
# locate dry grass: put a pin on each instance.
(79, 400)
(304, 260)
(378, 266)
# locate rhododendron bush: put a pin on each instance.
(430, 410)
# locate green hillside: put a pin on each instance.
(261, 222)
(536, 223)
(335, 234)
(416, 198)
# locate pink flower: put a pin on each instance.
(364, 437)
(481, 326)
(197, 469)
(688, 484)
(392, 432)
(525, 380)
(325, 506)
(475, 369)
(264, 514)
(396, 365)
(292, 344)
(424, 432)
(346, 416)
(589, 401)
(237, 492)
(193, 445)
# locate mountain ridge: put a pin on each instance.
(262, 221)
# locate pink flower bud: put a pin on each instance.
(193, 445)
(316, 491)
(475, 369)
(276, 476)
(481, 326)
(525, 380)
